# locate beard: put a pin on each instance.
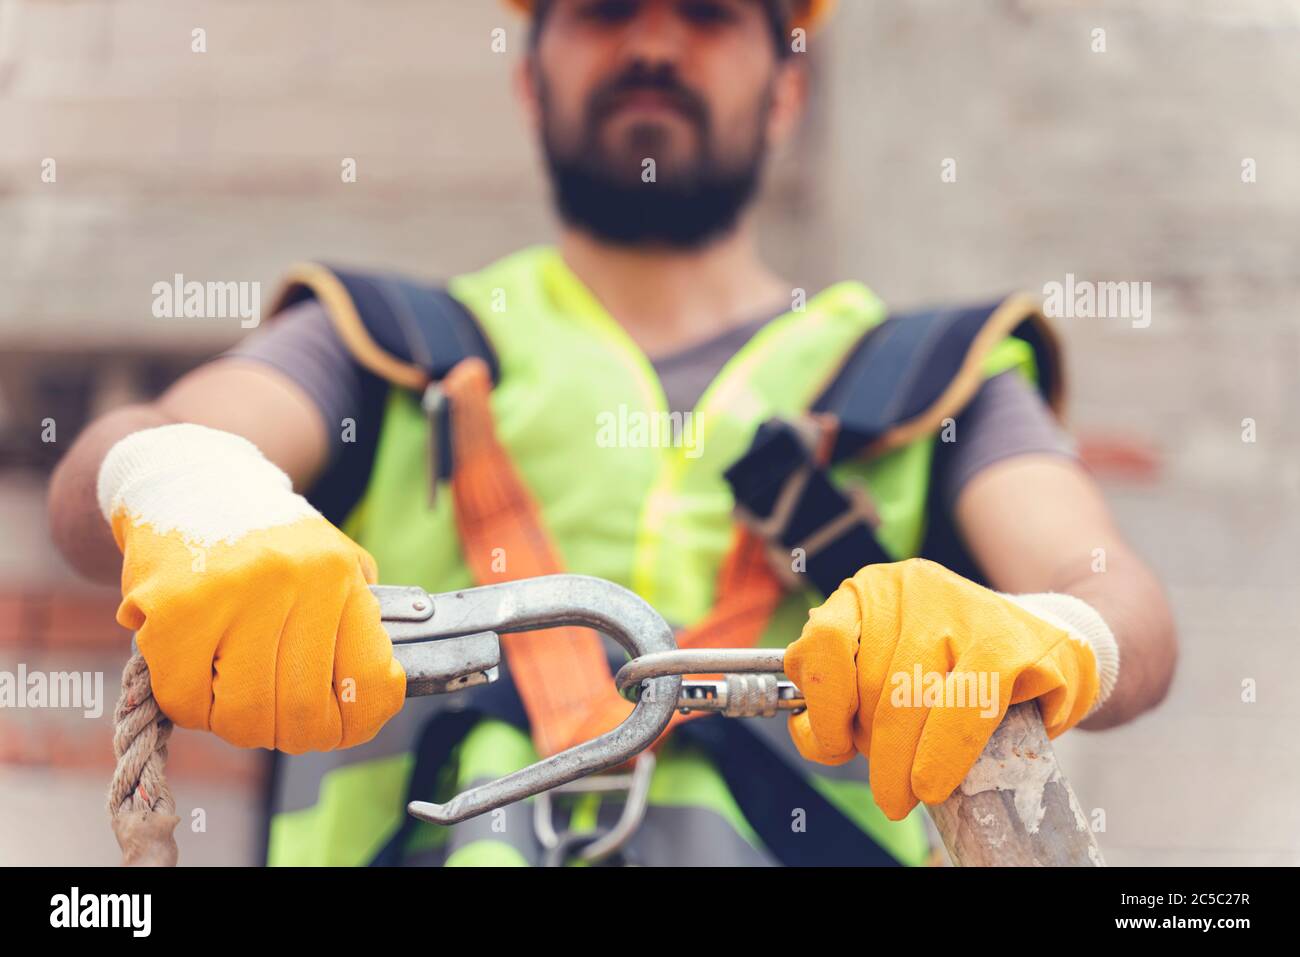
(600, 190)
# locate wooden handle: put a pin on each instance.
(1015, 808)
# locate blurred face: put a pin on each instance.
(656, 115)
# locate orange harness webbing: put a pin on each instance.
(562, 674)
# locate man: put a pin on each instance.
(656, 118)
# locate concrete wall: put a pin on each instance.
(1116, 165)
(1125, 165)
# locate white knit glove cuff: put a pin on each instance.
(208, 485)
(1082, 623)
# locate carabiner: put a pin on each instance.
(450, 641)
(748, 687)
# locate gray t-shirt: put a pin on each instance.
(1006, 418)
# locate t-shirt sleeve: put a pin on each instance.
(303, 345)
(1006, 418)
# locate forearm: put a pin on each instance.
(1039, 524)
(1130, 600)
(247, 399)
(76, 524)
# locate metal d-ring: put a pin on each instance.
(597, 847)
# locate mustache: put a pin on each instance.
(637, 79)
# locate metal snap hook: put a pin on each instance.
(427, 643)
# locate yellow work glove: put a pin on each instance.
(915, 666)
(251, 610)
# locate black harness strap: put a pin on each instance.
(897, 373)
(416, 324)
(413, 322)
(769, 791)
(439, 738)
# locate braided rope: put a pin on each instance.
(140, 805)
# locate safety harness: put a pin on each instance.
(795, 525)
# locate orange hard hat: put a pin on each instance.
(809, 14)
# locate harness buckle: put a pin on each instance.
(784, 493)
(433, 401)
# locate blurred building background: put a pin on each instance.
(1121, 165)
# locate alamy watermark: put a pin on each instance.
(1083, 299)
(631, 428)
(74, 909)
(53, 690)
(953, 689)
(179, 299)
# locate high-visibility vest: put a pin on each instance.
(578, 417)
